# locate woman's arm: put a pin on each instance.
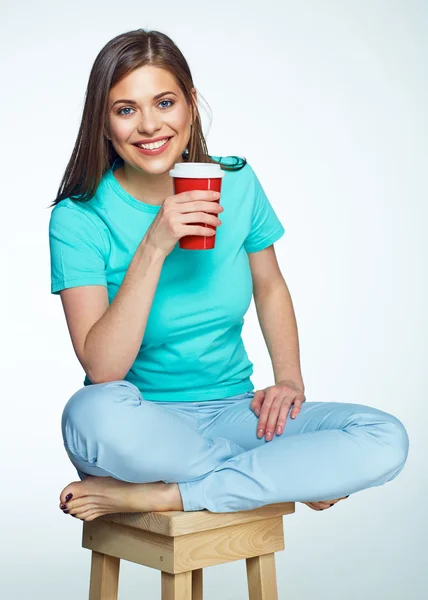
(113, 342)
(278, 324)
(276, 315)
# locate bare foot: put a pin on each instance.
(323, 504)
(96, 496)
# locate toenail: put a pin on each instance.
(65, 511)
(63, 506)
(68, 497)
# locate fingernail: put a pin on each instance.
(66, 511)
(279, 429)
(68, 497)
(332, 504)
(260, 433)
(63, 506)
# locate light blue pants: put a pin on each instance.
(212, 451)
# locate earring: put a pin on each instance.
(186, 152)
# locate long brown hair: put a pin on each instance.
(93, 154)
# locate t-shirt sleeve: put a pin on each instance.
(77, 250)
(266, 228)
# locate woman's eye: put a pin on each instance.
(170, 101)
(119, 112)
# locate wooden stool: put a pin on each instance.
(181, 543)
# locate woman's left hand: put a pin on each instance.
(272, 405)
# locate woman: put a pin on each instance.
(167, 418)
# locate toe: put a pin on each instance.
(71, 505)
(70, 491)
(67, 494)
(88, 515)
(321, 505)
(312, 505)
(84, 508)
(92, 516)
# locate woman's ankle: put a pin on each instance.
(173, 495)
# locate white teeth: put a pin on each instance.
(154, 145)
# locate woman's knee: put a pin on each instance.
(393, 437)
(387, 430)
(91, 406)
(398, 440)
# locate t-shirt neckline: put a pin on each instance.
(124, 195)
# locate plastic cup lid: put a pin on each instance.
(197, 169)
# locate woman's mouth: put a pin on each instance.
(154, 151)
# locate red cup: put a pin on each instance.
(197, 176)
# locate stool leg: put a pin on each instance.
(104, 580)
(197, 584)
(176, 587)
(261, 576)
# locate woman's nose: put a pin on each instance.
(149, 123)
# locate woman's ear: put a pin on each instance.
(106, 132)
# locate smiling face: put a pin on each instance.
(152, 114)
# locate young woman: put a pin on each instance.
(167, 418)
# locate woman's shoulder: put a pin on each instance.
(77, 208)
(75, 216)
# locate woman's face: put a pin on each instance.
(147, 118)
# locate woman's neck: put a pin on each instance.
(148, 188)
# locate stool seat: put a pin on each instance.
(181, 543)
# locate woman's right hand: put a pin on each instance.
(176, 215)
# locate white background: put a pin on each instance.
(327, 101)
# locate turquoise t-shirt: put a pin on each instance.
(192, 349)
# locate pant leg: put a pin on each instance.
(109, 430)
(329, 451)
